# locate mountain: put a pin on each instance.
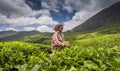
(111, 13)
(28, 36)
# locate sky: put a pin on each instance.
(43, 15)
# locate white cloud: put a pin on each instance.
(31, 3)
(41, 12)
(15, 8)
(20, 14)
(71, 5)
(28, 28)
(46, 20)
(18, 8)
(24, 21)
(68, 8)
(51, 5)
(45, 5)
(78, 19)
(44, 29)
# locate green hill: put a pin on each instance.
(27, 36)
(100, 19)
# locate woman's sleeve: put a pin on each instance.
(56, 41)
(63, 37)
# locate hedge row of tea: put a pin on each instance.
(88, 52)
(15, 53)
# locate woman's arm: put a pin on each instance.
(56, 41)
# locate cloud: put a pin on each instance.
(75, 5)
(41, 12)
(18, 13)
(46, 20)
(78, 19)
(28, 28)
(31, 3)
(18, 8)
(14, 8)
(51, 5)
(69, 5)
(44, 29)
(104, 3)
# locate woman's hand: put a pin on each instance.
(66, 43)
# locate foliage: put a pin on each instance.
(88, 52)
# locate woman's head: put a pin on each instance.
(58, 27)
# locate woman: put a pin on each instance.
(58, 38)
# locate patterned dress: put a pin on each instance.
(57, 41)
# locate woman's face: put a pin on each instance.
(61, 28)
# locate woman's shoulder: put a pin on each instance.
(55, 34)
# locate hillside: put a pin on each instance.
(100, 19)
(28, 36)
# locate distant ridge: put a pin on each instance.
(98, 20)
